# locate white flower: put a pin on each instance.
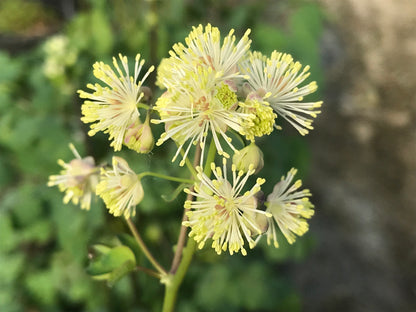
(278, 78)
(201, 97)
(78, 179)
(205, 49)
(290, 209)
(198, 109)
(112, 108)
(221, 210)
(120, 188)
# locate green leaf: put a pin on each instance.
(130, 242)
(111, 260)
(120, 272)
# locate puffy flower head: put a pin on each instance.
(201, 98)
(263, 118)
(279, 78)
(221, 210)
(199, 109)
(78, 179)
(290, 209)
(204, 48)
(112, 107)
(120, 188)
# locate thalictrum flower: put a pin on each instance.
(78, 179)
(113, 107)
(221, 210)
(201, 96)
(290, 209)
(201, 108)
(120, 188)
(204, 48)
(279, 78)
(263, 118)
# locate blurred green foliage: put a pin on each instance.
(24, 17)
(44, 243)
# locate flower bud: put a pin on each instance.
(250, 155)
(139, 137)
(147, 93)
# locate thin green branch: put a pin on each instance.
(182, 234)
(144, 248)
(212, 152)
(149, 272)
(164, 176)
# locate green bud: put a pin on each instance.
(249, 155)
(139, 137)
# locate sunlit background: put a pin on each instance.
(359, 162)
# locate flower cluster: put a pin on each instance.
(212, 86)
(229, 216)
(215, 85)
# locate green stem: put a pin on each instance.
(149, 272)
(142, 105)
(189, 165)
(143, 246)
(183, 256)
(212, 152)
(164, 176)
(172, 286)
(182, 233)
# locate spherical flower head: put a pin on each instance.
(78, 179)
(204, 107)
(139, 137)
(290, 209)
(263, 117)
(279, 78)
(113, 107)
(221, 210)
(250, 156)
(204, 48)
(120, 188)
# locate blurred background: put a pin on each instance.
(359, 162)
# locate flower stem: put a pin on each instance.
(212, 151)
(172, 286)
(164, 176)
(149, 272)
(144, 248)
(182, 234)
(183, 255)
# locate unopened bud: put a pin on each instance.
(139, 137)
(250, 155)
(262, 221)
(147, 93)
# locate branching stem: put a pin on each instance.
(144, 248)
